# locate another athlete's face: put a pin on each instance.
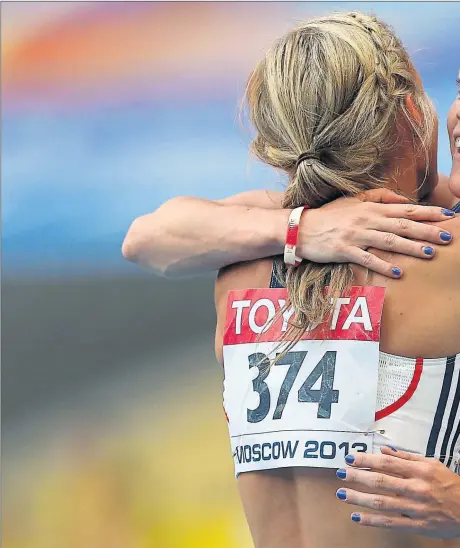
(453, 128)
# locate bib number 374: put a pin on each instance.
(324, 396)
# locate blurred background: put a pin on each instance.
(113, 430)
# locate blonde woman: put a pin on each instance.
(338, 106)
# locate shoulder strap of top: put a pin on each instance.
(456, 207)
(275, 282)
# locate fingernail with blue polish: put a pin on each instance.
(356, 517)
(428, 251)
(396, 271)
(341, 473)
(341, 494)
(349, 459)
(446, 237)
(392, 448)
(448, 212)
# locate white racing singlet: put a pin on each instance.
(333, 392)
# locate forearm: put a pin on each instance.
(188, 236)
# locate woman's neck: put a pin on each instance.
(408, 175)
(404, 180)
(441, 195)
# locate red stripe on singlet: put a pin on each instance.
(407, 394)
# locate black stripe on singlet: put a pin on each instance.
(456, 207)
(453, 411)
(452, 415)
(452, 447)
(275, 282)
(453, 444)
(439, 415)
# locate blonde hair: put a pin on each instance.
(335, 87)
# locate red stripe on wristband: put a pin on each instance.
(292, 235)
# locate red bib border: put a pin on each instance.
(357, 316)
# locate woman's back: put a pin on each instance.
(297, 507)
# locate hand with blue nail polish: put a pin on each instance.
(416, 494)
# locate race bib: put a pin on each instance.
(314, 404)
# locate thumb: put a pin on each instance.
(383, 196)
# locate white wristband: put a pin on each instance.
(290, 256)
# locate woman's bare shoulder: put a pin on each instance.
(243, 276)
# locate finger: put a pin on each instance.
(386, 241)
(386, 463)
(383, 196)
(376, 482)
(413, 212)
(382, 503)
(359, 256)
(396, 523)
(387, 450)
(410, 229)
